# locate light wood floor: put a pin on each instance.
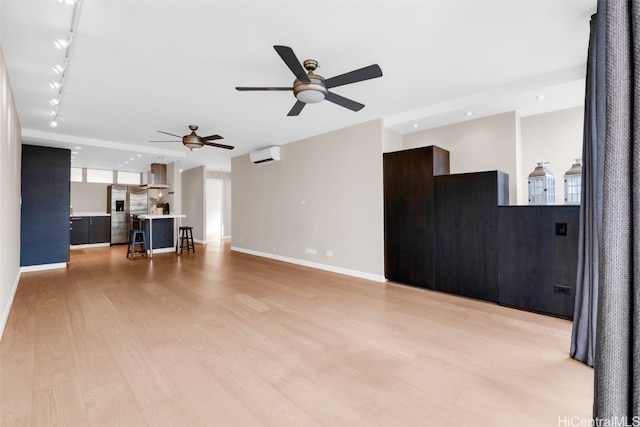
(221, 338)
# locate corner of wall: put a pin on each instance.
(10, 194)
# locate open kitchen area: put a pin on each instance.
(110, 212)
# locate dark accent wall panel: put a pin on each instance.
(44, 228)
(466, 236)
(539, 257)
(409, 226)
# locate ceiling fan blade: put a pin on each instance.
(242, 88)
(297, 108)
(211, 137)
(164, 141)
(167, 133)
(366, 73)
(344, 102)
(290, 58)
(213, 144)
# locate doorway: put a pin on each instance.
(213, 208)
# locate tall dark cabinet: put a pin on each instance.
(458, 234)
(466, 243)
(46, 195)
(409, 227)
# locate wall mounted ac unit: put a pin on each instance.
(271, 154)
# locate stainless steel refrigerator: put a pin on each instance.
(122, 203)
(117, 207)
(137, 202)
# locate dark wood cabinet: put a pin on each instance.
(79, 230)
(90, 230)
(539, 257)
(100, 229)
(466, 232)
(409, 227)
(457, 234)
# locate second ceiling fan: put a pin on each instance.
(193, 141)
(310, 88)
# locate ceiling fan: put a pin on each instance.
(193, 141)
(310, 88)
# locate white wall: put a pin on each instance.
(511, 144)
(552, 137)
(10, 184)
(484, 144)
(88, 197)
(193, 201)
(226, 201)
(213, 208)
(325, 194)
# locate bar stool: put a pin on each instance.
(185, 234)
(137, 238)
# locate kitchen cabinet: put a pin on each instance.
(162, 232)
(86, 230)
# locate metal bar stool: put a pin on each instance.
(185, 234)
(137, 243)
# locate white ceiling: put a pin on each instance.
(139, 66)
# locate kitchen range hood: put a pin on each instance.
(157, 177)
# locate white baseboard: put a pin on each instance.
(164, 250)
(89, 245)
(42, 267)
(7, 308)
(326, 267)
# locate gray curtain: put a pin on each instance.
(583, 339)
(617, 361)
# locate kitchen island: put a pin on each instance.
(161, 231)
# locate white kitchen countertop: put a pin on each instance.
(155, 216)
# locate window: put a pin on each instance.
(99, 175)
(76, 174)
(131, 178)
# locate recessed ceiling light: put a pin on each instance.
(78, 148)
(415, 125)
(53, 123)
(541, 97)
(139, 155)
(54, 101)
(74, 152)
(132, 158)
(55, 85)
(126, 163)
(469, 113)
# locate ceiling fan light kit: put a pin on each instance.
(311, 88)
(193, 141)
